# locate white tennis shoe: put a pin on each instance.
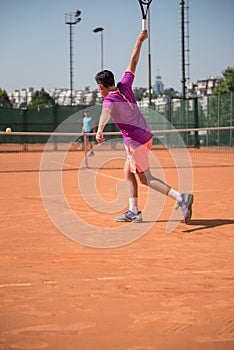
(129, 216)
(186, 206)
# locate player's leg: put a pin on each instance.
(132, 214)
(184, 200)
(91, 152)
(131, 180)
(156, 184)
(141, 157)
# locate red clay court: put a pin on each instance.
(161, 292)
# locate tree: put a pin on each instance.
(139, 92)
(220, 108)
(225, 84)
(170, 92)
(41, 99)
(4, 99)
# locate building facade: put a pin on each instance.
(158, 87)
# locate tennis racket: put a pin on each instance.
(144, 4)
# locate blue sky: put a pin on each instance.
(35, 41)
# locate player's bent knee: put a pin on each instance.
(143, 179)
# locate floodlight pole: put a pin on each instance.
(183, 81)
(96, 30)
(71, 19)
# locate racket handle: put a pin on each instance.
(143, 24)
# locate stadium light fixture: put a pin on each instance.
(97, 30)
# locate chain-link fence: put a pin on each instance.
(203, 112)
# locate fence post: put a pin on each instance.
(218, 136)
(208, 118)
(25, 127)
(169, 119)
(231, 117)
(55, 124)
(196, 123)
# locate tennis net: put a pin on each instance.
(22, 151)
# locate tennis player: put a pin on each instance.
(89, 127)
(120, 105)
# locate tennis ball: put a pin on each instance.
(8, 130)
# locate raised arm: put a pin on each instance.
(136, 51)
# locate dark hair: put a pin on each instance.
(105, 78)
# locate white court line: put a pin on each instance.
(26, 284)
(109, 176)
(7, 285)
(212, 163)
(216, 190)
(211, 271)
(109, 278)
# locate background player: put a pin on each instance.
(88, 127)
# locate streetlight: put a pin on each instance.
(71, 19)
(96, 30)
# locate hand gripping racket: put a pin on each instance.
(144, 4)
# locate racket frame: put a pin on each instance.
(143, 11)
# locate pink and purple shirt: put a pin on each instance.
(126, 114)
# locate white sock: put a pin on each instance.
(175, 195)
(133, 204)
